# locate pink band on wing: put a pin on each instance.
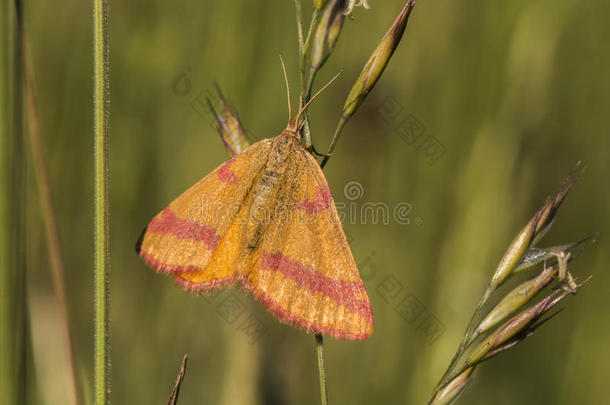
(342, 292)
(184, 229)
(225, 174)
(166, 268)
(287, 317)
(319, 204)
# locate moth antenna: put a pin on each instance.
(287, 89)
(302, 110)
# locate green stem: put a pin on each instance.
(309, 85)
(335, 139)
(304, 46)
(321, 369)
(297, 6)
(466, 342)
(306, 89)
(449, 379)
(101, 100)
(306, 96)
(312, 24)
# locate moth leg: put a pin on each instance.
(312, 149)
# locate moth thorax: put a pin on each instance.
(293, 130)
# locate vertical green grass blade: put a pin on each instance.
(102, 304)
(321, 369)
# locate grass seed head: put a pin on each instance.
(327, 33)
(378, 61)
(534, 230)
(450, 392)
(516, 299)
(319, 4)
(518, 327)
(229, 126)
(515, 251)
(549, 210)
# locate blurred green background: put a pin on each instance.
(515, 93)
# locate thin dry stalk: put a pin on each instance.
(48, 215)
(173, 399)
(13, 330)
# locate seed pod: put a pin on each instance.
(516, 299)
(514, 252)
(511, 328)
(552, 204)
(534, 230)
(378, 61)
(229, 127)
(335, 29)
(327, 33)
(319, 4)
(450, 392)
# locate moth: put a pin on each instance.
(265, 219)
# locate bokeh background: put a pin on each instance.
(515, 93)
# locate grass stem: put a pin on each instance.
(297, 6)
(466, 342)
(321, 369)
(312, 25)
(335, 139)
(102, 304)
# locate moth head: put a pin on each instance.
(295, 128)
